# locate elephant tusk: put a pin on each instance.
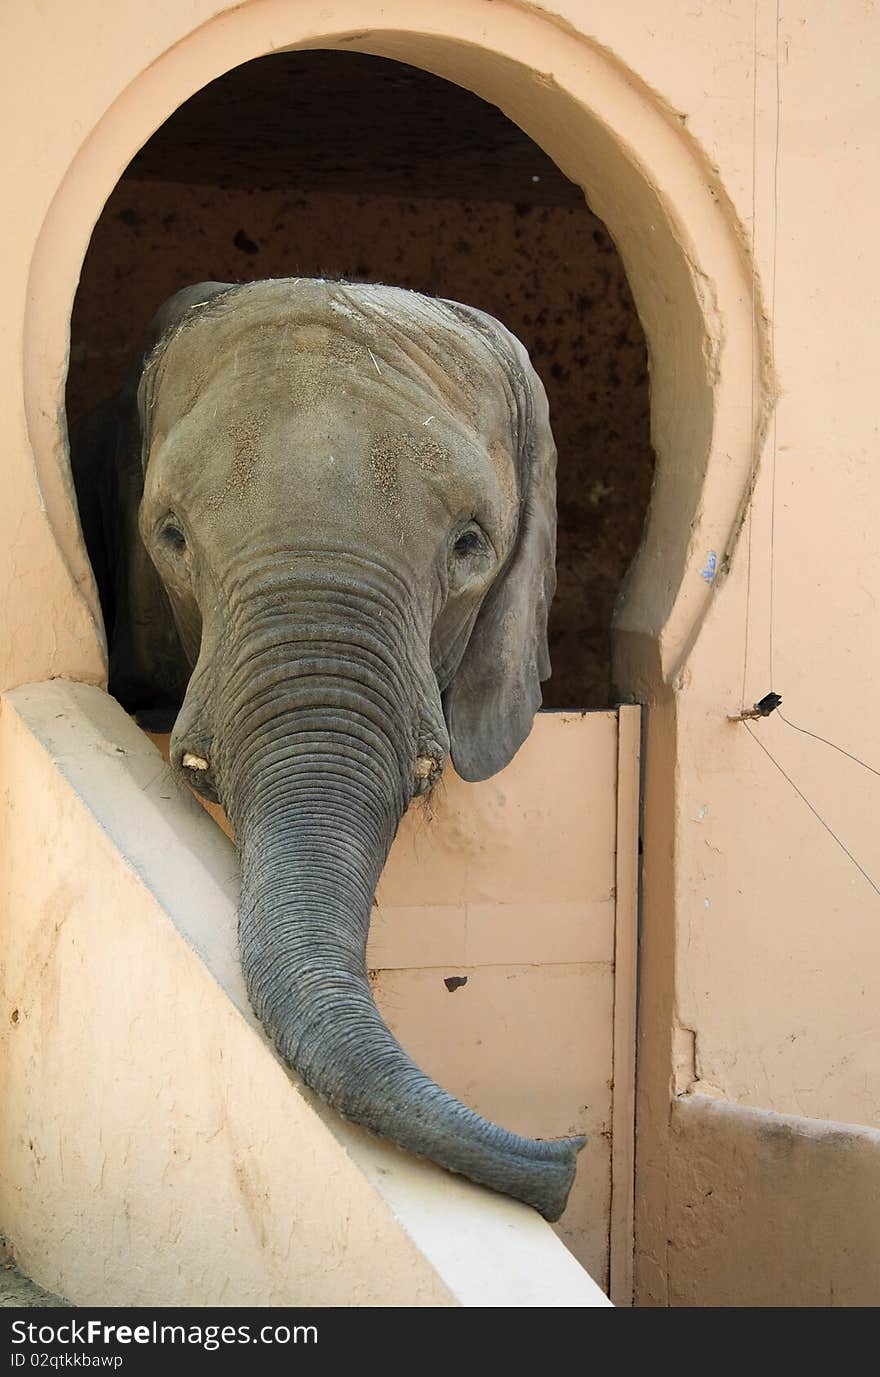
(425, 767)
(194, 762)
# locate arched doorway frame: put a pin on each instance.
(691, 278)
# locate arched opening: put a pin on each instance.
(337, 164)
(650, 183)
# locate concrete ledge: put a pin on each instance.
(771, 1209)
(153, 1150)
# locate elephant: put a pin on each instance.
(321, 517)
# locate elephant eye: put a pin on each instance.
(470, 559)
(172, 538)
(468, 543)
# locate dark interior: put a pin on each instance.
(338, 164)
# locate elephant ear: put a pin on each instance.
(171, 317)
(147, 668)
(496, 691)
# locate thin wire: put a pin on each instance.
(818, 816)
(748, 605)
(774, 433)
(826, 742)
(774, 256)
(754, 332)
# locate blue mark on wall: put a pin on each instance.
(711, 568)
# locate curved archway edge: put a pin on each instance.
(641, 173)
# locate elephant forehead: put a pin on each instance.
(335, 462)
(231, 420)
(293, 366)
(306, 344)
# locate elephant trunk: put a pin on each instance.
(315, 787)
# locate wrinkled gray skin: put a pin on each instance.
(322, 516)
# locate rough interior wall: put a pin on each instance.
(455, 201)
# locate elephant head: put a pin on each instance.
(337, 508)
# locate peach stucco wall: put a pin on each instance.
(731, 152)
